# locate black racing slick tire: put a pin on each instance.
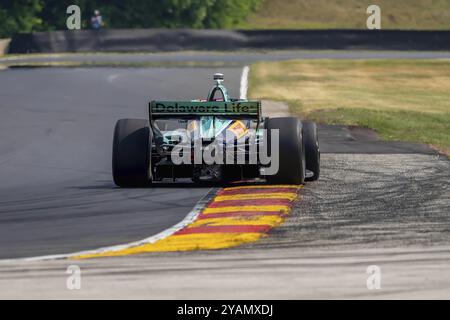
(292, 166)
(312, 150)
(131, 158)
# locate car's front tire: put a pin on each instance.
(131, 158)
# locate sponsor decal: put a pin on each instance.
(213, 107)
(192, 126)
(239, 129)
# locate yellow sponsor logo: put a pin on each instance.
(192, 126)
(239, 129)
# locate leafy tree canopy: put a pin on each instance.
(41, 15)
(19, 15)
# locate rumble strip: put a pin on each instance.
(235, 216)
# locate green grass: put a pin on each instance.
(393, 125)
(349, 14)
(407, 100)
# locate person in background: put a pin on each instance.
(97, 20)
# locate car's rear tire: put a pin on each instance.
(131, 158)
(292, 166)
(312, 150)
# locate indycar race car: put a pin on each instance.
(217, 139)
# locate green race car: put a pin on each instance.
(217, 139)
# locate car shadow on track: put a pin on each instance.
(109, 185)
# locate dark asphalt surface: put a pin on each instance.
(353, 140)
(371, 201)
(56, 126)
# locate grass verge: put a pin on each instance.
(407, 100)
(349, 14)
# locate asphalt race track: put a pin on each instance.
(377, 203)
(57, 194)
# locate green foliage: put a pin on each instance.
(19, 15)
(228, 13)
(176, 13)
(157, 13)
(39, 15)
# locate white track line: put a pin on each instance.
(244, 83)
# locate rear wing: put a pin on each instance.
(192, 109)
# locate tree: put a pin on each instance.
(40, 15)
(19, 16)
(228, 13)
(154, 13)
